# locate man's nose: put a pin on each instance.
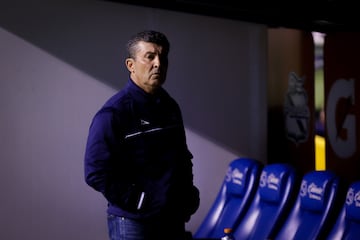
(157, 62)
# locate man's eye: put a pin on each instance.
(150, 57)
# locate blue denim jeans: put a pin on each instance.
(121, 228)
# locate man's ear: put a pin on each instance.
(130, 64)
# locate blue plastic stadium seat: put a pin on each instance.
(233, 199)
(275, 195)
(347, 225)
(315, 208)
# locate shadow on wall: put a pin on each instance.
(212, 93)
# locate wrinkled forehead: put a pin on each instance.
(143, 46)
(147, 48)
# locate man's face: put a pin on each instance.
(148, 68)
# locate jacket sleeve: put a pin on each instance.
(192, 200)
(192, 203)
(97, 151)
(192, 195)
(98, 158)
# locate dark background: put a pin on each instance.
(317, 15)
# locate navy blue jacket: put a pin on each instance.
(137, 156)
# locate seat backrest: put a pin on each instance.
(316, 205)
(347, 225)
(277, 190)
(233, 199)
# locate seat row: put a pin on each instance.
(273, 201)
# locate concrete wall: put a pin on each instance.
(59, 62)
